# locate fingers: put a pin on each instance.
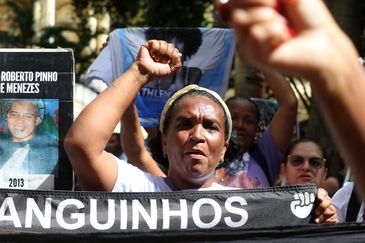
(161, 51)
(158, 59)
(253, 15)
(175, 63)
(266, 18)
(325, 211)
(225, 7)
(300, 14)
(259, 31)
(328, 215)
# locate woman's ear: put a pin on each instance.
(224, 150)
(282, 177)
(163, 142)
(283, 170)
(325, 174)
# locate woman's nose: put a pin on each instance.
(238, 123)
(306, 164)
(196, 134)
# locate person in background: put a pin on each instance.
(348, 204)
(299, 44)
(305, 162)
(114, 146)
(257, 163)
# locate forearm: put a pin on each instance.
(133, 143)
(92, 129)
(284, 119)
(282, 90)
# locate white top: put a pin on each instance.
(341, 200)
(132, 179)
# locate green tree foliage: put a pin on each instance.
(126, 13)
(175, 13)
(19, 17)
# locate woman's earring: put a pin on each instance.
(164, 155)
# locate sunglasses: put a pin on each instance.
(314, 162)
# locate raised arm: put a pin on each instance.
(84, 144)
(320, 52)
(284, 119)
(133, 143)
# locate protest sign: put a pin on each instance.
(36, 110)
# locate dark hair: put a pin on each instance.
(232, 152)
(116, 134)
(192, 93)
(156, 151)
(192, 38)
(305, 140)
(248, 99)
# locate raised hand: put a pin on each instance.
(158, 59)
(264, 39)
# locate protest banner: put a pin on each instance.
(135, 214)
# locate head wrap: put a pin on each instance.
(189, 89)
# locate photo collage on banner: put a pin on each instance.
(36, 110)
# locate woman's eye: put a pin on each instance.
(248, 121)
(316, 163)
(297, 161)
(184, 124)
(213, 127)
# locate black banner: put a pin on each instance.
(36, 110)
(66, 212)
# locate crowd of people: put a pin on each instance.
(205, 143)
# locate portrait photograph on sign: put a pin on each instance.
(36, 110)
(28, 143)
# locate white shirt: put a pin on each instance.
(341, 200)
(132, 179)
